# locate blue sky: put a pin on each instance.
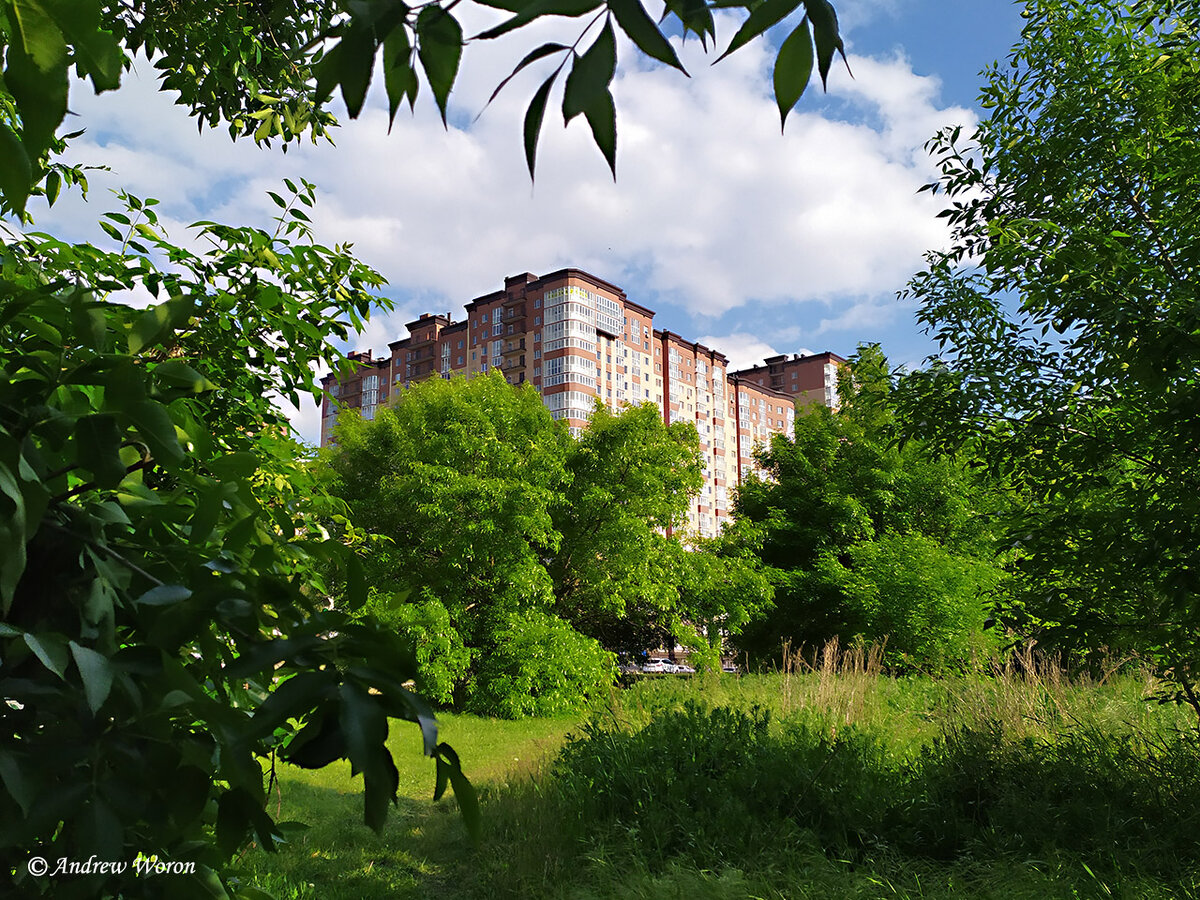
(752, 241)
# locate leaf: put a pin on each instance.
(591, 75)
(14, 782)
(96, 672)
(88, 322)
(636, 22)
(40, 93)
(533, 56)
(16, 175)
(425, 718)
(51, 650)
(40, 38)
(292, 699)
(236, 465)
(12, 535)
(399, 76)
(793, 67)
(602, 117)
(533, 121)
(177, 373)
(364, 726)
(157, 430)
(695, 16)
(442, 779)
(760, 19)
(233, 820)
(96, 52)
(464, 793)
(439, 47)
(153, 325)
(98, 448)
(356, 582)
(164, 595)
(825, 35)
(536, 9)
(348, 64)
(318, 744)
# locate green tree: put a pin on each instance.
(868, 539)
(630, 478)
(461, 478)
(1068, 318)
(720, 585)
(518, 558)
(162, 553)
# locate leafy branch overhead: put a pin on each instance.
(274, 64)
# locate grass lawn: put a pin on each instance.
(340, 858)
(836, 781)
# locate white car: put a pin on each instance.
(658, 666)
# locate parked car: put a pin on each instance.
(684, 669)
(658, 666)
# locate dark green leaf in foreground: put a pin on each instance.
(439, 46)
(760, 19)
(533, 121)
(589, 78)
(637, 24)
(793, 67)
(826, 36)
(98, 448)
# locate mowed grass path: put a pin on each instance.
(339, 858)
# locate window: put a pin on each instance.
(496, 328)
(537, 320)
(483, 318)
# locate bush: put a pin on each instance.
(727, 788)
(930, 605)
(539, 666)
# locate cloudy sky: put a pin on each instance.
(751, 241)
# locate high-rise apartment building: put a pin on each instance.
(577, 338)
(810, 379)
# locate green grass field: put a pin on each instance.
(828, 780)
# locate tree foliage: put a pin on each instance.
(868, 539)
(268, 68)
(521, 557)
(1068, 318)
(163, 621)
(629, 480)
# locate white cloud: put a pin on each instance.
(714, 209)
(742, 350)
(745, 350)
